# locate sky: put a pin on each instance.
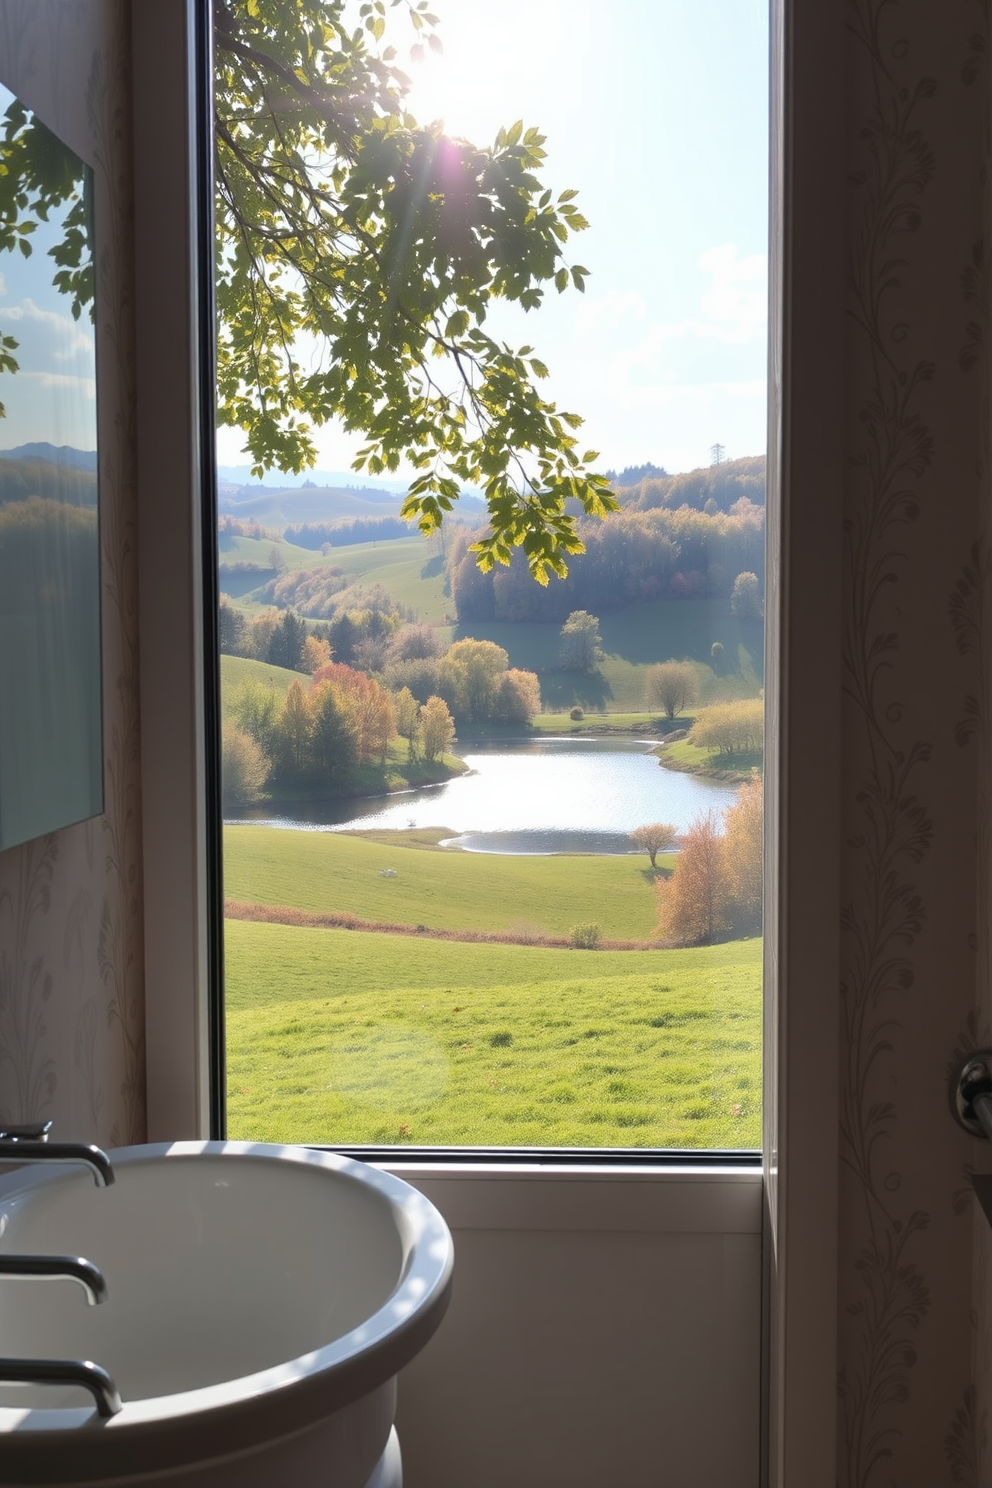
(656, 112)
(52, 396)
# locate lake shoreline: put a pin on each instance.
(518, 796)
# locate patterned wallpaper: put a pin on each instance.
(71, 1009)
(914, 1316)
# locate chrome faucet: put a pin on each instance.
(80, 1372)
(60, 1268)
(29, 1144)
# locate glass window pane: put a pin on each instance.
(493, 845)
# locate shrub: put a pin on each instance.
(245, 767)
(730, 728)
(585, 937)
(576, 714)
(501, 1040)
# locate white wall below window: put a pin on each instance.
(604, 1331)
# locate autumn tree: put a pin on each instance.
(742, 851)
(715, 890)
(655, 838)
(745, 597)
(245, 767)
(316, 653)
(293, 732)
(518, 697)
(693, 902)
(368, 705)
(416, 643)
(437, 728)
(260, 631)
(580, 642)
(471, 671)
(407, 711)
(333, 747)
(670, 687)
(255, 710)
(421, 675)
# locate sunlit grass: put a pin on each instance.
(444, 890)
(344, 1037)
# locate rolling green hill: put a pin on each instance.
(407, 566)
(633, 638)
(281, 509)
(237, 669)
(341, 1036)
(329, 872)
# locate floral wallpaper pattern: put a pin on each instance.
(913, 1315)
(71, 1007)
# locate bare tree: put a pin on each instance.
(670, 686)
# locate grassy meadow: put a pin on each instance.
(352, 1036)
(347, 1037)
(443, 890)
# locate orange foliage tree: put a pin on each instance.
(368, 705)
(715, 889)
(692, 904)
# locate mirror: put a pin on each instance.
(51, 731)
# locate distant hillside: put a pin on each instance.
(311, 505)
(710, 489)
(632, 474)
(54, 454)
(240, 477)
(21, 478)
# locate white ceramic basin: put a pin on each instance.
(261, 1301)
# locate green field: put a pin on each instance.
(681, 755)
(407, 566)
(409, 569)
(633, 639)
(330, 871)
(344, 1037)
(235, 670)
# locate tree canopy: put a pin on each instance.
(342, 220)
(358, 254)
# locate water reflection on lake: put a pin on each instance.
(534, 796)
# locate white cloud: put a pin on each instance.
(72, 340)
(736, 303)
(86, 385)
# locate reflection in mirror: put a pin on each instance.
(51, 746)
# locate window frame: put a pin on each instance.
(184, 1027)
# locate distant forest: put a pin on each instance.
(22, 479)
(682, 536)
(686, 536)
(344, 533)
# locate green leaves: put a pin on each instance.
(358, 255)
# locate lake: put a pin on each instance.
(533, 796)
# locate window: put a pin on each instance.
(492, 849)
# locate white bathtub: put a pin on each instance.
(261, 1301)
